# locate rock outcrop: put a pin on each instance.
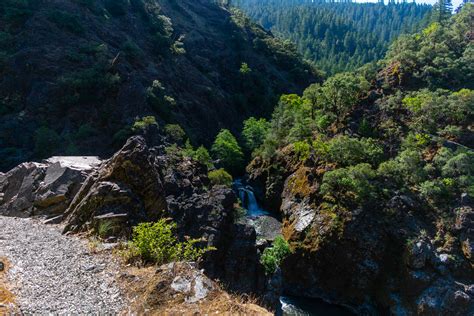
(385, 258)
(140, 184)
(126, 190)
(45, 188)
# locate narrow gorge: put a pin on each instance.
(174, 157)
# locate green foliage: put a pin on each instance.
(352, 185)
(407, 168)
(433, 111)
(347, 151)
(143, 123)
(202, 155)
(297, 118)
(227, 150)
(273, 256)
(439, 57)
(220, 177)
(302, 150)
(254, 133)
(157, 243)
(245, 69)
(106, 228)
(161, 103)
(337, 36)
(175, 133)
(342, 92)
(409, 123)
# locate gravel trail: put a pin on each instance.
(56, 274)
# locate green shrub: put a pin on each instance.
(437, 190)
(158, 243)
(254, 132)
(347, 151)
(202, 155)
(143, 123)
(131, 50)
(302, 150)
(351, 185)
(159, 102)
(227, 151)
(220, 177)
(106, 228)
(91, 85)
(272, 257)
(175, 133)
(245, 69)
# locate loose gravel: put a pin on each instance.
(56, 274)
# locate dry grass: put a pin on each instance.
(150, 293)
(7, 300)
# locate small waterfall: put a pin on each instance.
(248, 199)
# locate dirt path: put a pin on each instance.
(53, 273)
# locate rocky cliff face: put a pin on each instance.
(138, 184)
(79, 73)
(143, 184)
(391, 258)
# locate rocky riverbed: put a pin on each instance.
(53, 273)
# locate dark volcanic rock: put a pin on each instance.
(383, 258)
(128, 186)
(139, 184)
(45, 188)
(465, 227)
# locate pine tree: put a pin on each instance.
(442, 11)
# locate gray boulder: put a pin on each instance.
(125, 190)
(45, 188)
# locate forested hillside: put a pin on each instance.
(75, 75)
(337, 36)
(373, 174)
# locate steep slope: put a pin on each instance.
(373, 175)
(75, 74)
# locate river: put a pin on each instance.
(268, 226)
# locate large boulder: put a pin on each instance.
(45, 188)
(126, 190)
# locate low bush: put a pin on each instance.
(175, 133)
(220, 177)
(272, 257)
(144, 123)
(351, 185)
(158, 243)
